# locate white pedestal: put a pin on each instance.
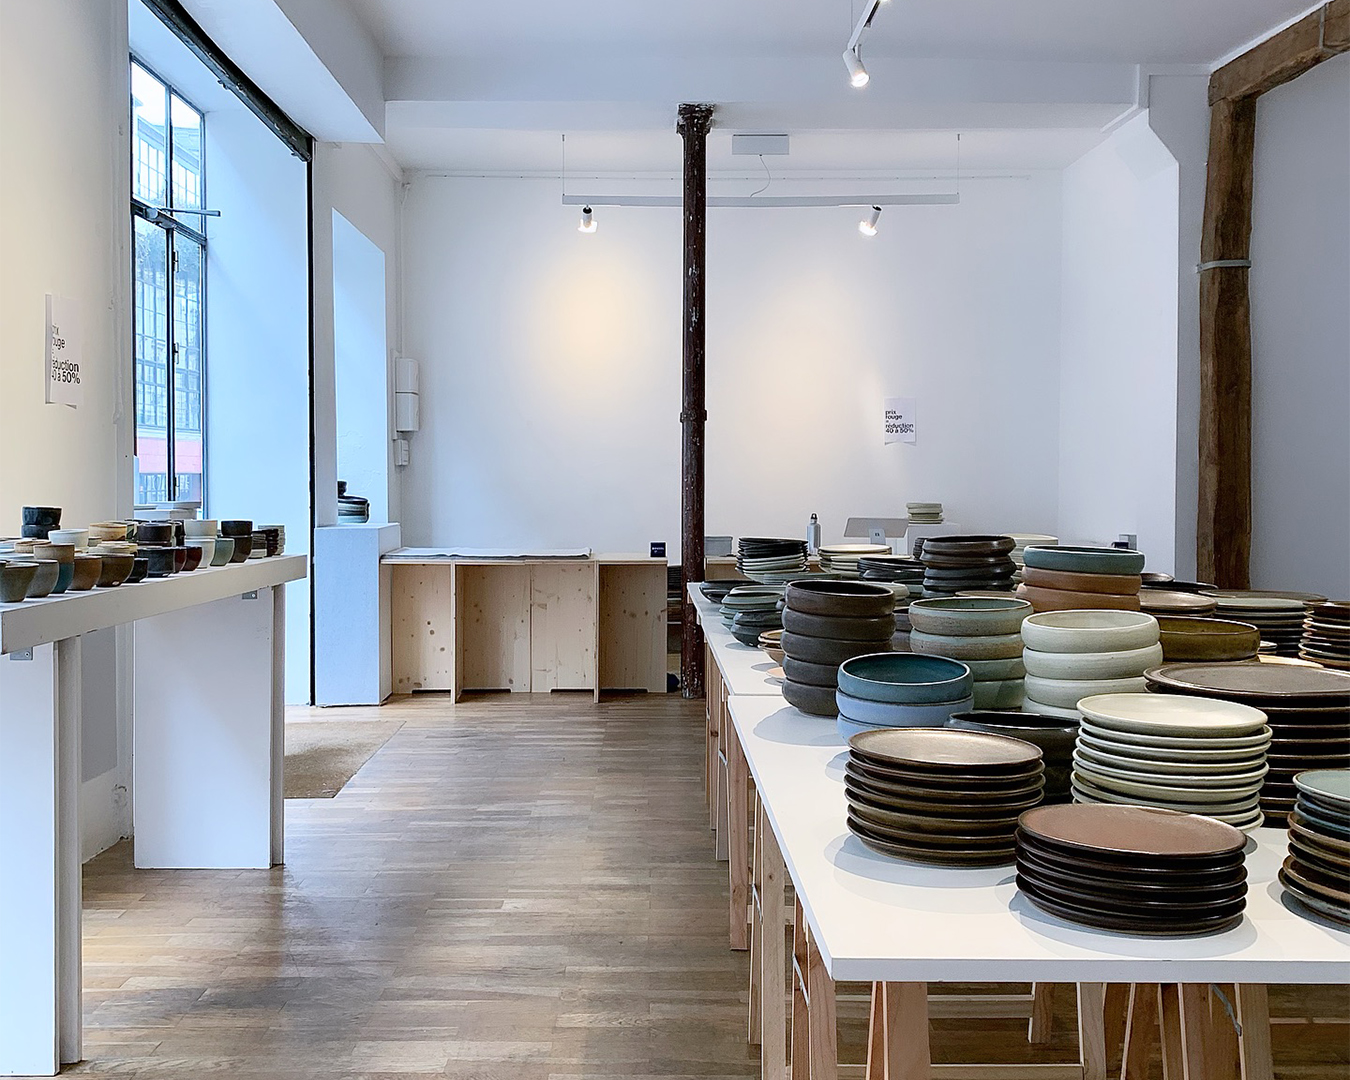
(352, 616)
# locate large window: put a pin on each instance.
(168, 289)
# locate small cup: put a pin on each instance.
(154, 532)
(236, 527)
(259, 545)
(102, 531)
(15, 577)
(201, 529)
(206, 545)
(38, 521)
(243, 547)
(44, 581)
(223, 551)
(114, 570)
(192, 557)
(160, 560)
(88, 569)
(78, 537)
(140, 567)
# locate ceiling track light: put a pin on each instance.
(857, 73)
(868, 225)
(588, 224)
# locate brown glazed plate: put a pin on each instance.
(1269, 594)
(1181, 901)
(1244, 679)
(926, 838)
(996, 856)
(944, 781)
(1328, 889)
(1321, 860)
(1092, 874)
(944, 749)
(1128, 924)
(1132, 833)
(929, 824)
(1001, 803)
(1200, 873)
(1181, 603)
(947, 810)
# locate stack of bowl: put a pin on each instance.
(945, 797)
(894, 570)
(1055, 738)
(1326, 634)
(1206, 640)
(842, 559)
(954, 564)
(749, 610)
(1307, 708)
(241, 532)
(38, 521)
(983, 632)
(1071, 655)
(769, 559)
(826, 622)
(886, 690)
(64, 554)
(1318, 867)
(1074, 578)
(924, 513)
(771, 641)
(202, 534)
(1133, 869)
(275, 536)
(1190, 754)
(1278, 615)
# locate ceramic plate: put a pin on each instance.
(940, 749)
(1205, 791)
(930, 824)
(1126, 924)
(909, 804)
(1315, 903)
(1169, 714)
(1212, 869)
(1274, 684)
(1179, 768)
(941, 856)
(1132, 834)
(1327, 786)
(959, 793)
(1243, 816)
(919, 780)
(1178, 903)
(1123, 742)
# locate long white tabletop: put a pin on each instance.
(56, 618)
(745, 669)
(878, 918)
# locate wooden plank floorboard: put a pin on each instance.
(517, 887)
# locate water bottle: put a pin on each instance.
(813, 535)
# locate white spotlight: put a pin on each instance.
(588, 223)
(868, 225)
(857, 74)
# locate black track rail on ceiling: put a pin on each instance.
(185, 28)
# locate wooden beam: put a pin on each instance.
(1287, 55)
(1223, 536)
(693, 125)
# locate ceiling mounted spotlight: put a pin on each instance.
(588, 223)
(868, 225)
(857, 74)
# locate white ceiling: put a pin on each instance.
(1076, 31)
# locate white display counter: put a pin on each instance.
(208, 731)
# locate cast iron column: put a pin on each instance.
(693, 125)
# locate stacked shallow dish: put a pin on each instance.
(1317, 871)
(842, 559)
(825, 622)
(1193, 755)
(1074, 578)
(924, 513)
(1278, 615)
(983, 632)
(945, 797)
(889, 690)
(1022, 541)
(769, 559)
(1206, 640)
(1132, 869)
(1326, 634)
(1176, 602)
(749, 610)
(954, 564)
(1307, 708)
(1071, 655)
(1054, 737)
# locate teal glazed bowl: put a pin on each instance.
(1085, 560)
(905, 678)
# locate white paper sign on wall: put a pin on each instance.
(900, 420)
(64, 377)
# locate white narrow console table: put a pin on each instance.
(208, 670)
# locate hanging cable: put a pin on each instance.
(768, 178)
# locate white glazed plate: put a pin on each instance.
(1171, 714)
(1237, 779)
(1102, 742)
(1190, 744)
(1179, 768)
(1163, 793)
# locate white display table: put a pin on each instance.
(209, 669)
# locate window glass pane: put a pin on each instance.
(187, 372)
(187, 155)
(150, 314)
(149, 138)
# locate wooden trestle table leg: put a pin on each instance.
(898, 1046)
(738, 833)
(773, 959)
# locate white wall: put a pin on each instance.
(1118, 406)
(257, 392)
(551, 365)
(1300, 286)
(64, 93)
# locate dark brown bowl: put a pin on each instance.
(243, 547)
(194, 558)
(236, 527)
(179, 558)
(154, 532)
(114, 570)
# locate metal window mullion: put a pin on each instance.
(171, 485)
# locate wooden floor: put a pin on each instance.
(515, 887)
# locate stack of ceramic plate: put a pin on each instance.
(900, 690)
(716, 591)
(983, 632)
(824, 623)
(1195, 755)
(1326, 634)
(1071, 655)
(771, 641)
(1132, 869)
(1211, 640)
(1055, 738)
(924, 513)
(1278, 615)
(1176, 602)
(940, 796)
(760, 557)
(749, 610)
(1317, 871)
(954, 564)
(1022, 541)
(893, 569)
(1307, 708)
(1075, 578)
(843, 559)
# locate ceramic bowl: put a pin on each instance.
(44, 581)
(153, 532)
(1207, 639)
(1089, 631)
(160, 559)
(26, 545)
(1121, 664)
(243, 547)
(812, 700)
(223, 550)
(259, 545)
(192, 557)
(839, 628)
(78, 537)
(1007, 668)
(905, 678)
(99, 531)
(968, 616)
(892, 714)
(206, 545)
(1084, 560)
(15, 577)
(47, 517)
(236, 527)
(198, 529)
(985, 647)
(809, 674)
(1067, 716)
(140, 567)
(88, 569)
(1054, 736)
(859, 599)
(999, 694)
(1067, 693)
(180, 557)
(1112, 584)
(115, 570)
(64, 554)
(1063, 600)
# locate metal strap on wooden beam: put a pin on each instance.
(1223, 264)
